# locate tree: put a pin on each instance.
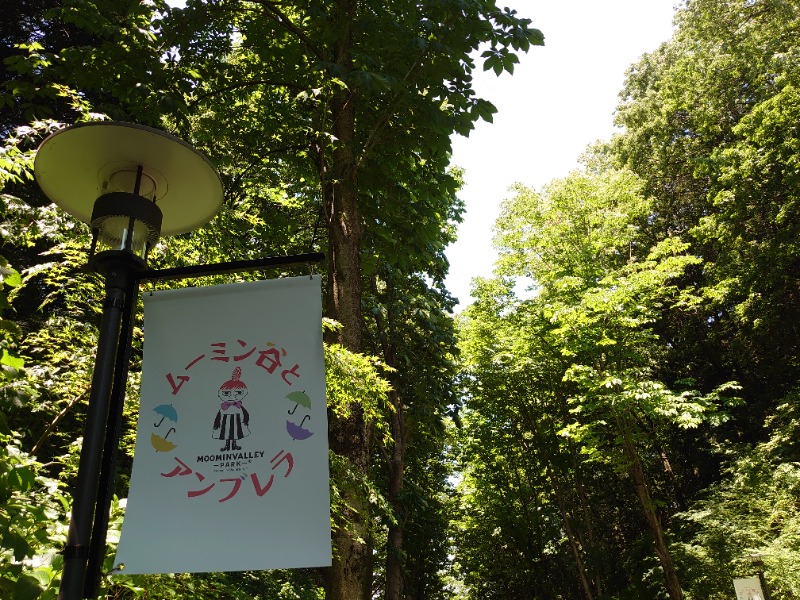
(709, 126)
(750, 513)
(367, 98)
(589, 335)
(63, 59)
(414, 334)
(697, 112)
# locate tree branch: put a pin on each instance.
(245, 84)
(391, 109)
(286, 22)
(55, 421)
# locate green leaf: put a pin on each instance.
(11, 361)
(14, 540)
(27, 588)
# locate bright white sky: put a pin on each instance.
(560, 99)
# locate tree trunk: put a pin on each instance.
(395, 544)
(636, 470)
(350, 576)
(576, 550)
(672, 478)
(395, 459)
(587, 517)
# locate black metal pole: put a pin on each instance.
(86, 486)
(763, 581)
(97, 547)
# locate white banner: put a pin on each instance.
(231, 464)
(748, 588)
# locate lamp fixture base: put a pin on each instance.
(110, 262)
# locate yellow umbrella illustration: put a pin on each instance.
(162, 444)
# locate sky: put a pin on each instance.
(560, 99)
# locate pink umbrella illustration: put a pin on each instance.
(297, 431)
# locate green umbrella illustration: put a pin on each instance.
(299, 398)
(167, 411)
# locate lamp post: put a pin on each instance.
(131, 184)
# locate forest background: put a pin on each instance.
(627, 428)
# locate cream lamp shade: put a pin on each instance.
(78, 164)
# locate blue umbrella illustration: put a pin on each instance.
(167, 411)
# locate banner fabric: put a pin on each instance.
(231, 465)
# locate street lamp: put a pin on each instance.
(131, 184)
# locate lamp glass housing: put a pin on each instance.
(122, 233)
(123, 224)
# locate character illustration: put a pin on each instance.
(233, 420)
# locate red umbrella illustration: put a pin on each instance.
(297, 431)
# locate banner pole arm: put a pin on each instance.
(236, 266)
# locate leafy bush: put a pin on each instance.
(33, 525)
